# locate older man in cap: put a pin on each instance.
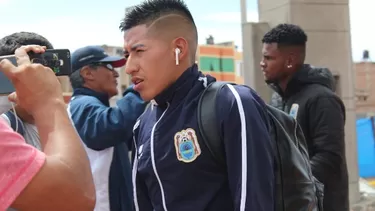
(105, 131)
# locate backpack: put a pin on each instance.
(296, 188)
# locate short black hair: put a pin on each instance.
(10, 43)
(286, 35)
(151, 10)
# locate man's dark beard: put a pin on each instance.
(272, 81)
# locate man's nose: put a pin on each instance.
(115, 74)
(262, 64)
(130, 66)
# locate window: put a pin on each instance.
(119, 51)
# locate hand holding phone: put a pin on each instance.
(58, 60)
(36, 86)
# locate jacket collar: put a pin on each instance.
(86, 91)
(179, 89)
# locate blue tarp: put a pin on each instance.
(366, 148)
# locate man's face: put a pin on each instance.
(149, 62)
(273, 63)
(105, 77)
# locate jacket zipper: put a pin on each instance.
(307, 164)
(153, 159)
(135, 168)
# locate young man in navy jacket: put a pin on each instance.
(172, 168)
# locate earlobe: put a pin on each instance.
(288, 63)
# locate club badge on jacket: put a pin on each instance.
(187, 146)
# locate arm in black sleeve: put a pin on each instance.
(326, 128)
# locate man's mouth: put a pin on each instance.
(136, 81)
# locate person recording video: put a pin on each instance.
(57, 178)
(20, 120)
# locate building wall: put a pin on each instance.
(222, 61)
(65, 87)
(123, 80)
(217, 61)
(65, 83)
(67, 96)
(365, 88)
(239, 67)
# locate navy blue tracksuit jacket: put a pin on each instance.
(173, 169)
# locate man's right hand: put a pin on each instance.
(65, 181)
(36, 85)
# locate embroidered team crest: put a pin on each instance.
(186, 144)
(294, 110)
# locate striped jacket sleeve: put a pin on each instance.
(250, 163)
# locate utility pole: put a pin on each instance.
(246, 47)
(243, 11)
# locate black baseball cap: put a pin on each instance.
(93, 55)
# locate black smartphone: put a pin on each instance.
(56, 59)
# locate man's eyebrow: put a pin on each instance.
(134, 47)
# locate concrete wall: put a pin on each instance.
(65, 83)
(252, 55)
(365, 89)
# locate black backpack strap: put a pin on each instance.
(15, 122)
(207, 122)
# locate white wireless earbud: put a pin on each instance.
(177, 53)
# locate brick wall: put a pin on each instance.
(365, 87)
